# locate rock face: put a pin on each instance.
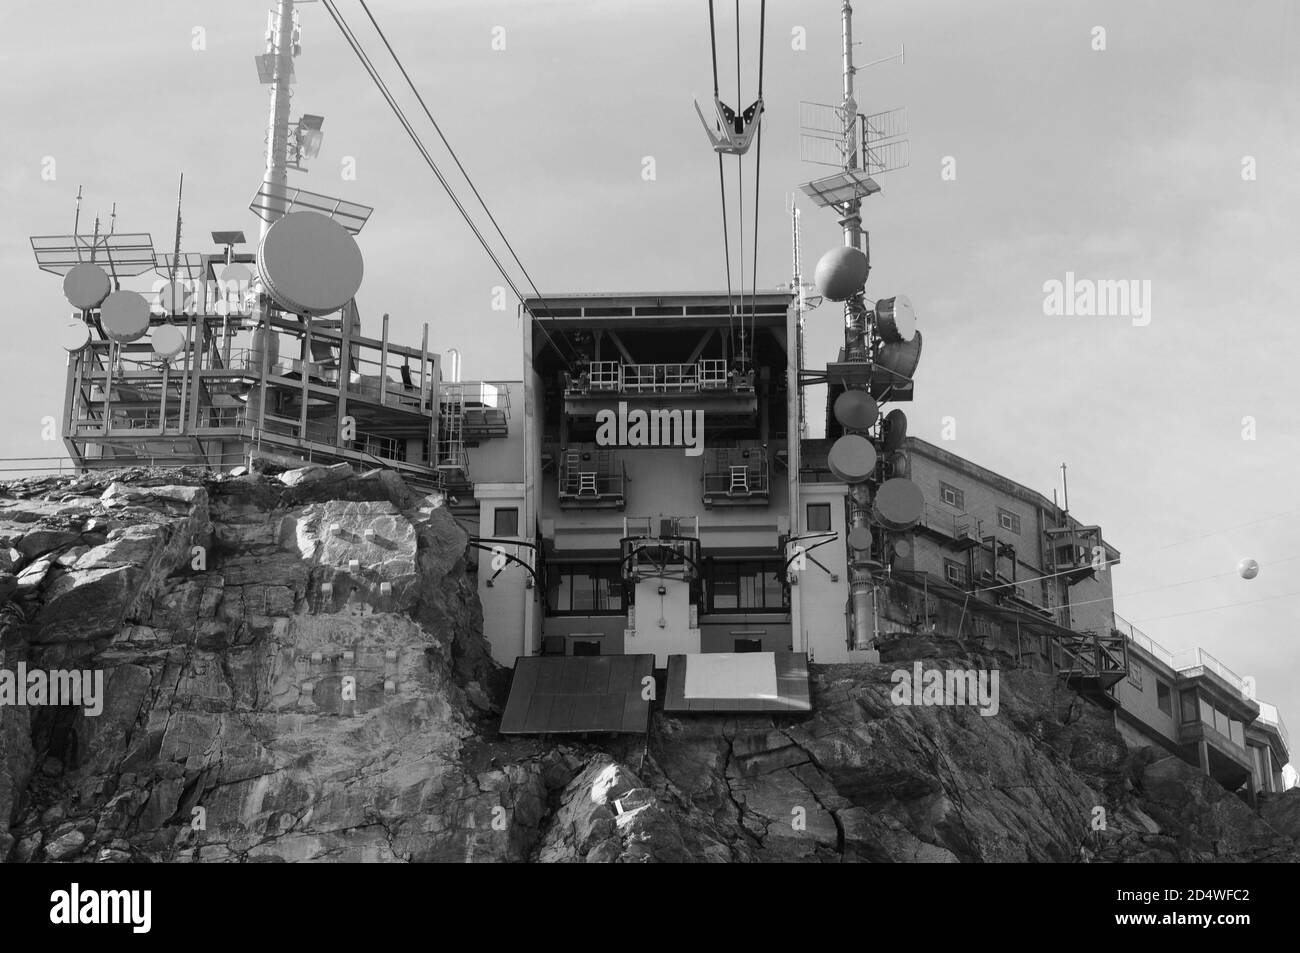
(294, 670)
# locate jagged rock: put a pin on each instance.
(109, 856)
(8, 585)
(27, 847)
(65, 846)
(1282, 812)
(316, 474)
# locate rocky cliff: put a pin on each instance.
(293, 669)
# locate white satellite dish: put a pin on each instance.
(309, 263)
(74, 336)
(125, 316)
(172, 298)
(167, 340)
(86, 285)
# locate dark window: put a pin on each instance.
(819, 517)
(952, 496)
(955, 572)
(505, 521)
(1164, 698)
(584, 589)
(748, 645)
(749, 586)
(1187, 701)
(586, 647)
(1008, 521)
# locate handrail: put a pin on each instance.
(1189, 659)
(1269, 715)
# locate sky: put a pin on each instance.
(1123, 163)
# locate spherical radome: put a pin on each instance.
(1248, 568)
(841, 273)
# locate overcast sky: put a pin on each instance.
(1120, 164)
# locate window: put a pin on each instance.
(1009, 521)
(750, 586)
(1187, 701)
(955, 572)
(952, 496)
(586, 646)
(1135, 675)
(747, 645)
(1164, 698)
(505, 521)
(584, 589)
(819, 517)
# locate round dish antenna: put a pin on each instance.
(125, 316)
(852, 458)
(310, 264)
(167, 340)
(86, 285)
(74, 336)
(856, 410)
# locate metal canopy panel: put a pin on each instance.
(188, 265)
(566, 694)
(841, 187)
(125, 254)
(738, 683)
(271, 203)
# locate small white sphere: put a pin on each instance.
(1248, 568)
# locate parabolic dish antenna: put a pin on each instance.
(895, 319)
(167, 340)
(856, 410)
(852, 458)
(901, 357)
(236, 274)
(894, 429)
(860, 538)
(899, 503)
(309, 263)
(86, 285)
(74, 336)
(172, 298)
(125, 316)
(841, 273)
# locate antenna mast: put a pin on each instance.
(279, 53)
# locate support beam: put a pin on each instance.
(627, 356)
(383, 363)
(699, 348)
(306, 387)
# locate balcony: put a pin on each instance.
(736, 476)
(707, 384)
(591, 480)
(1191, 663)
(1269, 717)
(660, 547)
(482, 407)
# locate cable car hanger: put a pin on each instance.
(732, 134)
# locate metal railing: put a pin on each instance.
(599, 475)
(736, 471)
(1269, 715)
(1142, 640)
(953, 523)
(1191, 659)
(707, 375)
